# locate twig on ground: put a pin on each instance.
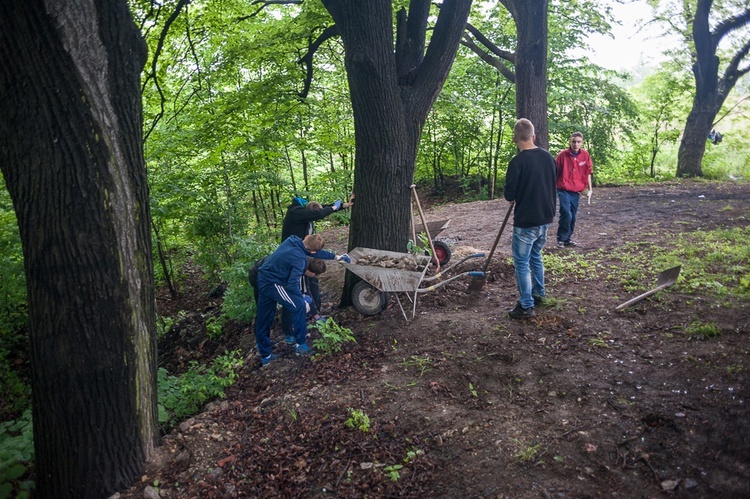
(342, 474)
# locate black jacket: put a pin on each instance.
(530, 182)
(298, 220)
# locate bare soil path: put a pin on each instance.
(463, 402)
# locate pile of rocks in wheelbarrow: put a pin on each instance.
(406, 262)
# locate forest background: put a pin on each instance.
(228, 139)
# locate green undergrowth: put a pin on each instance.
(182, 396)
(713, 262)
(16, 457)
(179, 398)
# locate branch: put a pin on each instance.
(502, 54)
(732, 73)
(724, 27)
(411, 32)
(743, 99)
(495, 62)
(265, 3)
(307, 60)
(152, 75)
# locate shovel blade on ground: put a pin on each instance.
(665, 279)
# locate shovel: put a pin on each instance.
(665, 279)
(477, 282)
(413, 188)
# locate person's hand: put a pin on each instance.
(337, 204)
(344, 258)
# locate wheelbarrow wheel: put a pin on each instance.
(442, 252)
(367, 299)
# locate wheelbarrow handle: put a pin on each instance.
(443, 271)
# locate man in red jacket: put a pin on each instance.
(574, 169)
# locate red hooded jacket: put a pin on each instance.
(573, 171)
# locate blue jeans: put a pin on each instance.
(568, 210)
(527, 258)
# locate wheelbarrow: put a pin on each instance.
(371, 295)
(442, 250)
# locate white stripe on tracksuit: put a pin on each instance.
(284, 295)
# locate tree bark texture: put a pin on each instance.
(530, 17)
(72, 157)
(393, 85)
(390, 101)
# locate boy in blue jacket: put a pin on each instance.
(278, 282)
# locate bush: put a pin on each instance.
(183, 396)
(238, 299)
(16, 456)
(332, 338)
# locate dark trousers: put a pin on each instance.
(568, 210)
(269, 295)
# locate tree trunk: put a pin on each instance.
(530, 17)
(391, 95)
(693, 143)
(72, 157)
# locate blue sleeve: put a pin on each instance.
(292, 285)
(323, 255)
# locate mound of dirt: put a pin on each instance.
(461, 401)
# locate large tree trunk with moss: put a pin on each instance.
(393, 87)
(71, 135)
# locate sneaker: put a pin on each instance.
(521, 313)
(560, 244)
(264, 361)
(303, 349)
(538, 300)
(289, 340)
(570, 244)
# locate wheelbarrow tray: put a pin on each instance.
(435, 227)
(387, 279)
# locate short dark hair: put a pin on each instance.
(316, 265)
(576, 134)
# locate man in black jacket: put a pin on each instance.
(530, 185)
(298, 221)
(301, 214)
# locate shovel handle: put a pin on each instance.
(413, 188)
(497, 239)
(641, 297)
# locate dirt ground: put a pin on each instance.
(580, 402)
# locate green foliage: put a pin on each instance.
(527, 452)
(333, 336)
(423, 364)
(393, 471)
(13, 313)
(15, 393)
(16, 457)
(214, 327)
(238, 299)
(183, 396)
(358, 420)
(700, 331)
